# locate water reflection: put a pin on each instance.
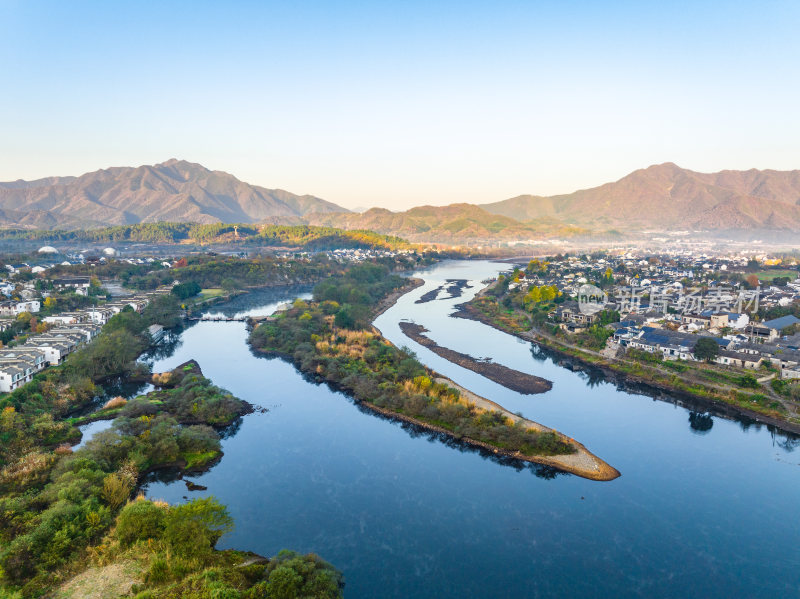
(169, 343)
(594, 377)
(115, 387)
(700, 423)
(406, 514)
(417, 432)
(259, 302)
(231, 430)
(537, 353)
(785, 442)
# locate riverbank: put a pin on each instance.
(391, 299)
(644, 376)
(390, 381)
(521, 382)
(582, 463)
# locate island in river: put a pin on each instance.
(521, 382)
(331, 339)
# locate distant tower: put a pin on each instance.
(236, 231)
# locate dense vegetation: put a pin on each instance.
(171, 547)
(329, 338)
(61, 509)
(259, 235)
(55, 502)
(186, 290)
(122, 339)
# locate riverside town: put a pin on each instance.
(103, 344)
(399, 301)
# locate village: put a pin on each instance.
(62, 334)
(35, 335)
(665, 305)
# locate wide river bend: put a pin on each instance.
(705, 507)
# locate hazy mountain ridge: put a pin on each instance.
(175, 190)
(661, 197)
(669, 197)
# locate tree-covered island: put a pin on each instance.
(331, 339)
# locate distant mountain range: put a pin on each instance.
(668, 197)
(175, 190)
(663, 197)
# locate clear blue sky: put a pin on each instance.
(400, 103)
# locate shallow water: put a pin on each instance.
(705, 507)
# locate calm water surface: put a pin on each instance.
(705, 507)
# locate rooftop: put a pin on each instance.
(782, 322)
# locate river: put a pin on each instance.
(705, 507)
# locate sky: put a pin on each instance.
(398, 104)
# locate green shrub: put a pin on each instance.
(138, 521)
(193, 528)
(186, 290)
(292, 575)
(747, 381)
(159, 571)
(780, 387)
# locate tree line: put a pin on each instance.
(331, 339)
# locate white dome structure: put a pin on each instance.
(110, 252)
(48, 249)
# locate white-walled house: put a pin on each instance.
(737, 321)
(17, 308)
(11, 377)
(66, 318)
(18, 365)
(99, 315)
(56, 347)
(87, 330)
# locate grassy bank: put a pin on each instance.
(673, 377)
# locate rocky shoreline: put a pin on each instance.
(521, 382)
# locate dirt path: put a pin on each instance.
(102, 582)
